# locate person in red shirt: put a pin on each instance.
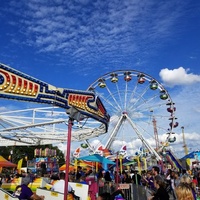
(194, 180)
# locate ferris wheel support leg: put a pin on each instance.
(114, 132)
(149, 147)
(89, 146)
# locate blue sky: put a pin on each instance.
(70, 44)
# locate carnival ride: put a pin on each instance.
(47, 125)
(39, 185)
(81, 106)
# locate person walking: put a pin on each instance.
(161, 193)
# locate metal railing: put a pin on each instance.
(130, 191)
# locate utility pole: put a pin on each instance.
(184, 142)
(185, 149)
(155, 132)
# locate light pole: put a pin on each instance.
(11, 155)
(117, 171)
(67, 161)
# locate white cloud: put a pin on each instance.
(178, 76)
(3, 108)
(95, 26)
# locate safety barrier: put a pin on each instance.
(5, 195)
(130, 190)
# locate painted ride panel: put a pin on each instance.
(38, 182)
(11, 186)
(5, 195)
(81, 190)
(38, 185)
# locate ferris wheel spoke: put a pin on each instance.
(125, 96)
(111, 94)
(144, 102)
(147, 126)
(108, 103)
(132, 96)
(120, 97)
(144, 107)
(141, 96)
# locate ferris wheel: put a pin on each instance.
(139, 108)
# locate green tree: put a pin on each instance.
(19, 152)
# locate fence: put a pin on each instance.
(130, 191)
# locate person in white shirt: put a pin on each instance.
(59, 186)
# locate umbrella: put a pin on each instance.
(96, 158)
(6, 163)
(129, 163)
(87, 165)
(63, 167)
(191, 155)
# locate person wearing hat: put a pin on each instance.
(24, 192)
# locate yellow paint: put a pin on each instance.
(6, 197)
(97, 166)
(145, 163)
(120, 163)
(188, 161)
(48, 186)
(139, 165)
(76, 164)
(79, 185)
(54, 194)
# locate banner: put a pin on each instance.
(19, 165)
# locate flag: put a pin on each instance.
(99, 150)
(123, 151)
(124, 148)
(77, 152)
(107, 152)
(19, 165)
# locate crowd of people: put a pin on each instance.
(172, 184)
